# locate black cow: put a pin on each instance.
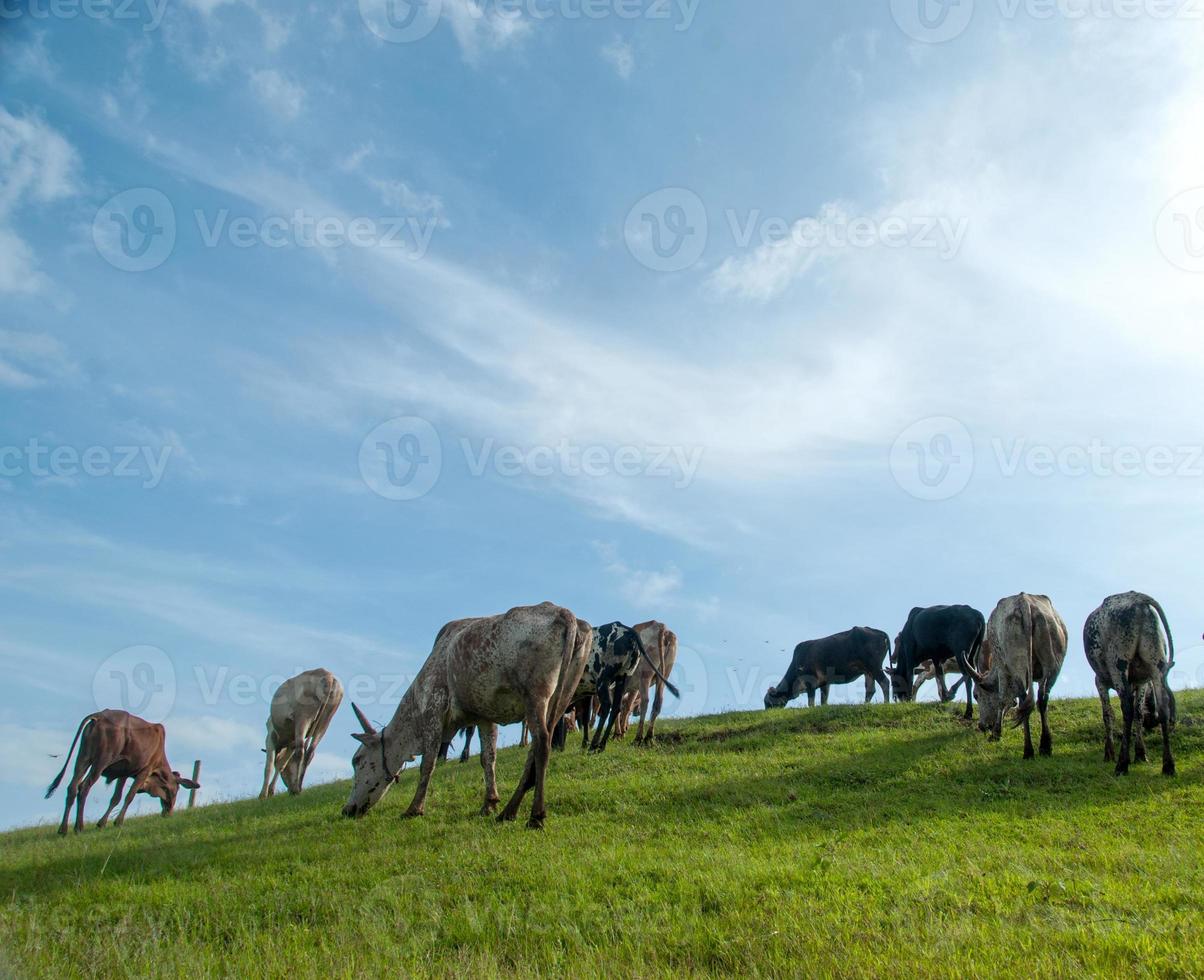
(937, 634)
(837, 659)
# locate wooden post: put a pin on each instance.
(196, 778)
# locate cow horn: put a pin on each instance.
(968, 668)
(368, 729)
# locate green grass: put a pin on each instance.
(859, 841)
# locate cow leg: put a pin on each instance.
(1128, 697)
(539, 749)
(84, 789)
(467, 750)
(869, 688)
(968, 714)
(524, 736)
(956, 684)
(129, 798)
(884, 683)
(1164, 720)
(1046, 747)
(430, 755)
(658, 702)
(112, 803)
(81, 766)
(941, 690)
(1138, 726)
(269, 767)
(1028, 736)
(525, 782)
(810, 693)
(645, 686)
(823, 692)
(609, 712)
(1109, 720)
(488, 734)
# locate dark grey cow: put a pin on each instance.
(936, 634)
(836, 659)
(1125, 649)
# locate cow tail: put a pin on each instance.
(1026, 705)
(968, 660)
(560, 697)
(1170, 664)
(59, 778)
(663, 679)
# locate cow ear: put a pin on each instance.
(189, 783)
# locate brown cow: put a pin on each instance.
(119, 746)
(661, 644)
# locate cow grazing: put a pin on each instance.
(120, 747)
(661, 644)
(302, 708)
(1125, 649)
(836, 659)
(617, 651)
(1024, 643)
(496, 670)
(936, 634)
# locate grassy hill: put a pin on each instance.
(842, 840)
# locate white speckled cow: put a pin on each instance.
(300, 714)
(1024, 643)
(497, 670)
(1125, 649)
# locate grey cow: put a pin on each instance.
(1125, 649)
(302, 708)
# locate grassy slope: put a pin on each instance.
(859, 841)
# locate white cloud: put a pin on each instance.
(29, 359)
(398, 194)
(481, 27)
(282, 96)
(620, 56)
(37, 166)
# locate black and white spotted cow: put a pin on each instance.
(1125, 649)
(616, 652)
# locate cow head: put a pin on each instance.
(775, 699)
(292, 771)
(373, 763)
(164, 785)
(901, 679)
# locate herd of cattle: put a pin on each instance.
(544, 667)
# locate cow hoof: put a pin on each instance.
(1140, 757)
(505, 816)
(535, 823)
(490, 807)
(414, 812)
(1029, 753)
(1122, 769)
(1168, 768)
(1109, 754)
(62, 831)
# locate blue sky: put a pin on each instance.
(762, 322)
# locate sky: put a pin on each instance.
(322, 325)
